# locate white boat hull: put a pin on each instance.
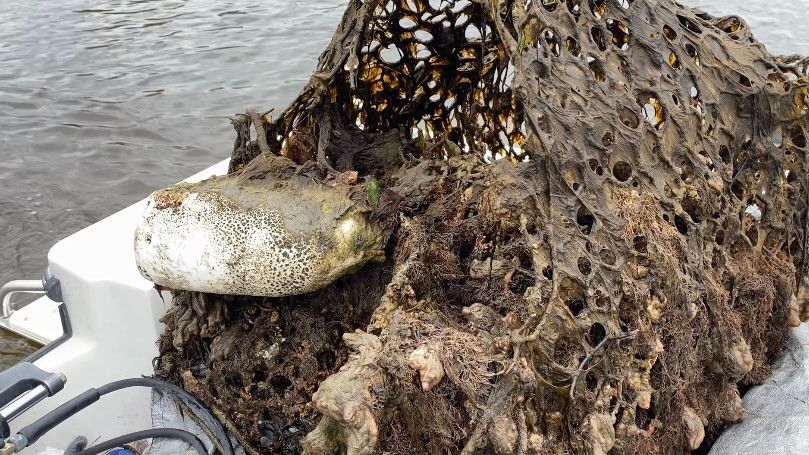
(114, 315)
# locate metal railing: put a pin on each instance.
(18, 287)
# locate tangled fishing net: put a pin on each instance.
(595, 215)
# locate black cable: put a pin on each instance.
(172, 433)
(50, 420)
(208, 422)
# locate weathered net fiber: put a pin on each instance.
(597, 218)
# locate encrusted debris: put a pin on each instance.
(594, 216)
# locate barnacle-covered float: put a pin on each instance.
(573, 227)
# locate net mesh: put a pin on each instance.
(605, 234)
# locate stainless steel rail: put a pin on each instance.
(24, 402)
(17, 287)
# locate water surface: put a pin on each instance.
(101, 104)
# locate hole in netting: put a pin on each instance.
(552, 42)
(691, 50)
(235, 380)
(408, 23)
(280, 384)
(724, 154)
(596, 68)
(596, 334)
(689, 25)
(422, 52)
(752, 234)
(520, 282)
(795, 248)
(674, 62)
(576, 306)
(590, 380)
(737, 189)
(423, 36)
(607, 256)
(754, 211)
(797, 136)
(593, 163)
(585, 220)
(620, 34)
(574, 6)
(566, 351)
(628, 118)
(540, 69)
(573, 46)
(653, 112)
(748, 141)
(622, 171)
(639, 244)
(719, 238)
(461, 20)
(326, 359)
(598, 38)
(642, 418)
(691, 206)
(613, 406)
(608, 139)
(442, 19)
(603, 302)
(390, 54)
(669, 33)
(547, 272)
(745, 81)
(681, 224)
(687, 171)
(584, 266)
(460, 5)
(625, 4)
(772, 242)
(260, 375)
(549, 5)
(730, 24)
(472, 34)
(370, 47)
(598, 7)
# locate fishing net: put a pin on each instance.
(595, 215)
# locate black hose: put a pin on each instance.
(50, 420)
(172, 433)
(208, 422)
